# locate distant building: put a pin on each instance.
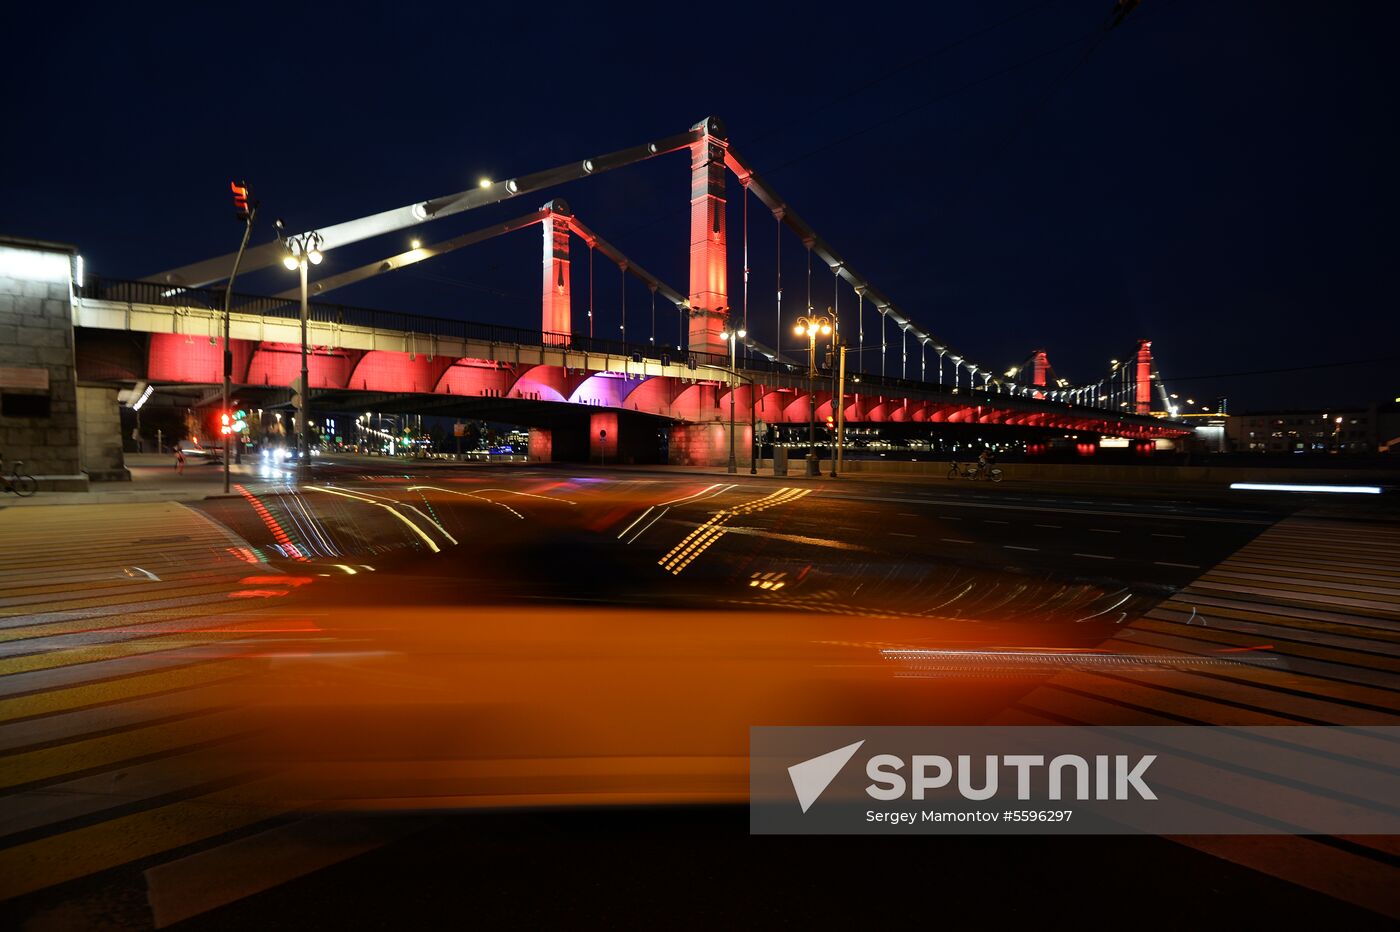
(1373, 429)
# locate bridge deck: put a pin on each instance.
(152, 308)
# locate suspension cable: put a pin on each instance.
(746, 264)
(778, 262)
(860, 323)
(884, 341)
(590, 290)
(808, 244)
(622, 267)
(836, 300)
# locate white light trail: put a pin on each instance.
(1288, 487)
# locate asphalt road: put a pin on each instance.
(570, 612)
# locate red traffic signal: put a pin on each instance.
(226, 423)
(830, 421)
(240, 199)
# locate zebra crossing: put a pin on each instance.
(116, 629)
(1322, 598)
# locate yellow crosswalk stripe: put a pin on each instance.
(70, 855)
(109, 750)
(65, 657)
(134, 686)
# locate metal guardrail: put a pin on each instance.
(155, 293)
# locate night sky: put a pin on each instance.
(1218, 177)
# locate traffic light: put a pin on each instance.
(241, 208)
(830, 422)
(225, 423)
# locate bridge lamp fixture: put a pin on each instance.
(485, 183)
(813, 328)
(1011, 373)
(416, 244)
(293, 261)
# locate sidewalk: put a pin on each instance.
(153, 479)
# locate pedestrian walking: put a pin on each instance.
(179, 460)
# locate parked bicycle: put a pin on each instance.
(22, 484)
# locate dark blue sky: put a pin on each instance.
(1217, 177)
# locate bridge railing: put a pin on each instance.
(155, 293)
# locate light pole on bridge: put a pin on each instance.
(812, 327)
(303, 250)
(838, 396)
(733, 337)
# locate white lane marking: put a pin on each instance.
(646, 527)
(1107, 610)
(416, 488)
(393, 511)
(998, 506)
(1102, 530)
(954, 540)
(673, 501)
(906, 514)
(1052, 526)
(1185, 566)
(1014, 547)
(990, 521)
(949, 518)
(1177, 536)
(897, 534)
(1093, 556)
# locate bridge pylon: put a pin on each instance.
(1040, 371)
(709, 286)
(1142, 400)
(557, 323)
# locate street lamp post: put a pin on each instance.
(811, 327)
(302, 251)
(252, 212)
(733, 337)
(753, 414)
(838, 385)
